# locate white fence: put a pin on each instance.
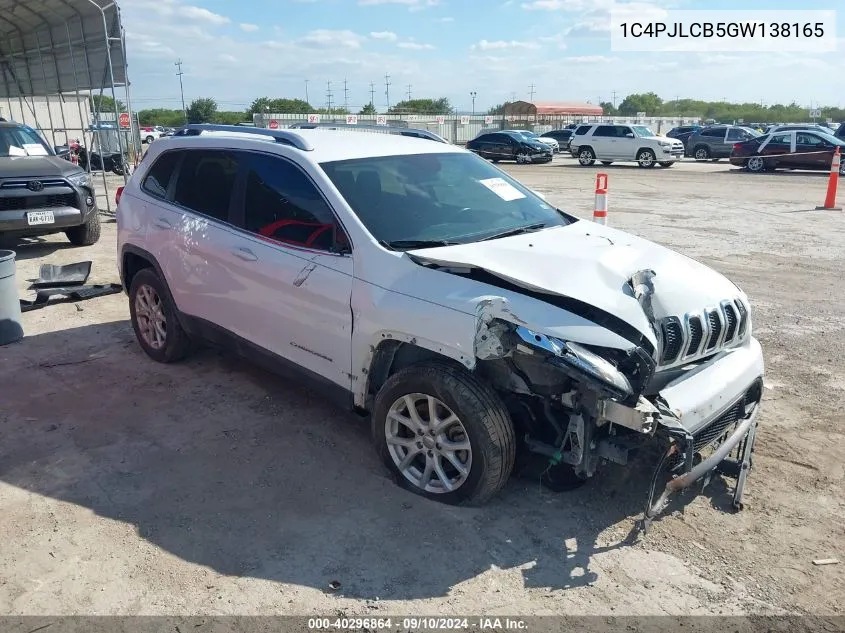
(460, 129)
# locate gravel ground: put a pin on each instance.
(210, 487)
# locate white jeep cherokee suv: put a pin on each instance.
(609, 143)
(421, 285)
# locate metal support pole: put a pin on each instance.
(46, 91)
(76, 85)
(113, 93)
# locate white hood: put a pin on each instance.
(593, 263)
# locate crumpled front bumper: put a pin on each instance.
(715, 405)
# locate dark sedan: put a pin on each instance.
(563, 138)
(683, 132)
(498, 146)
(806, 149)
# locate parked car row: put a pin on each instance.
(793, 149)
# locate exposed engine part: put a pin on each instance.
(642, 418)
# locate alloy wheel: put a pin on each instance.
(149, 312)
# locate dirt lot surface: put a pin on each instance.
(129, 487)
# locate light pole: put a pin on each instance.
(181, 89)
(473, 95)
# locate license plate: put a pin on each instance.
(40, 217)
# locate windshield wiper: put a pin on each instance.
(402, 244)
(517, 231)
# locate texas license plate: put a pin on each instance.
(40, 217)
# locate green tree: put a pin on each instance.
(422, 106)
(608, 108)
(202, 110)
(104, 103)
(161, 116)
(648, 102)
(368, 109)
(266, 105)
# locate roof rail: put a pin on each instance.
(281, 136)
(385, 129)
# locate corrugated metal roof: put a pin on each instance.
(540, 108)
(53, 46)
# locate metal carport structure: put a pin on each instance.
(53, 48)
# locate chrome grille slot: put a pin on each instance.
(743, 317)
(696, 333)
(731, 321)
(714, 321)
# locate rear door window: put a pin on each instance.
(206, 182)
(161, 173)
(605, 130)
(583, 130)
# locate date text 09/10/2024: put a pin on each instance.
(430, 623)
(773, 30)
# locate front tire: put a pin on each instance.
(444, 434)
(85, 234)
(701, 153)
(586, 156)
(667, 163)
(646, 159)
(154, 319)
(149, 140)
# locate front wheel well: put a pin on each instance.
(391, 356)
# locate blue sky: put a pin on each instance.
(236, 51)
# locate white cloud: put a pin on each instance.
(203, 15)
(388, 36)
(590, 59)
(415, 46)
(413, 5)
(245, 26)
(485, 45)
(446, 19)
(327, 38)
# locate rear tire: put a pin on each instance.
(154, 318)
(755, 164)
(667, 163)
(586, 156)
(407, 435)
(85, 234)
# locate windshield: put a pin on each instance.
(528, 134)
(21, 141)
(830, 138)
(421, 200)
(642, 131)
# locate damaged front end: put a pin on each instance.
(580, 406)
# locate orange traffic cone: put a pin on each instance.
(600, 211)
(832, 184)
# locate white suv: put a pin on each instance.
(609, 143)
(423, 286)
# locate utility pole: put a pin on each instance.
(531, 92)
(513, 97)
(329, 97)
(345, 96)
(181, 89)
(409, 92)
(387, 90)
(306, 92)
(614, 99)
(473, 95)
(373, 94)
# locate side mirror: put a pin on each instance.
(629, 135)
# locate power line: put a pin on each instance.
(373, 94)
(345, 96)
(181, 88)
(387, 90)
(329, 96)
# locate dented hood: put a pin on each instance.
(593, 264)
